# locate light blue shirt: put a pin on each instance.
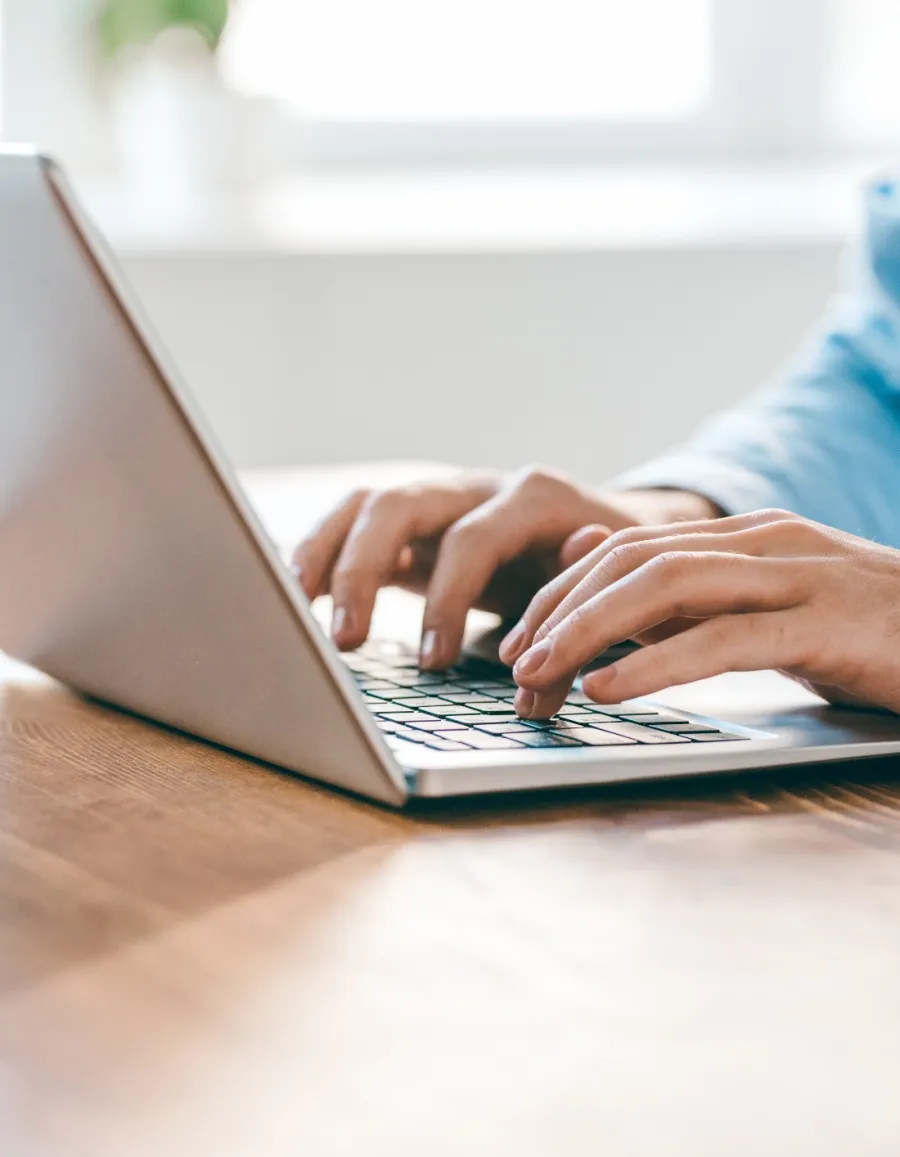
(824, 441)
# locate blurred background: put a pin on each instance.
(485, 231)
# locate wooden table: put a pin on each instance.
(200, 957)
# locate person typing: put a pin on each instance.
(770, 540)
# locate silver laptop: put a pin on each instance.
(135, 570)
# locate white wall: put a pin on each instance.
(585, 361)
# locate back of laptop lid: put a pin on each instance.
(131, 568)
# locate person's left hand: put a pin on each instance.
(747, 593)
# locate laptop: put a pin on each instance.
(136, 571)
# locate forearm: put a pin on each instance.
(824, 441)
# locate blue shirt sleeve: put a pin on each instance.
(824, 441)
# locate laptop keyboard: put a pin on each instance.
(470, 708)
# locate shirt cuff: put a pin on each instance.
(733, 488)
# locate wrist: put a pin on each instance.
(660, 507)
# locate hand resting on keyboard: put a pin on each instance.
(488, 541)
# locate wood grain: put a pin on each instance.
(199, 955)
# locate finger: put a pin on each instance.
(670, 586)
(581, 543)
(613, 565)
(471, 552)
(576, 547)
(614, 561)
(543, 704)
(751, 642)
(385, 524)
(546, 602)
(316, 555)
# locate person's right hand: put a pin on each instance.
(488, 541)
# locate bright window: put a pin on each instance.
(433, 61)
(519, 80)
(864, 71)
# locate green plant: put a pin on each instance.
(122, 24)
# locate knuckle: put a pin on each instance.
(549, 621)
(384, 502)
(536, 478)
(779, 529)
(465, 533)
(794, 531)
(577, 622)
(626, 537)
(672, 564)
(540, 484)
(775, 514)
(351, 577)
(624, 556)
(808, 532)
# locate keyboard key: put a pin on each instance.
(583, 718)
(641, 734)
(687, 728)
(399, 716)
(394, 740)
(717, 737)
(438, 744)
(548, 739)
(596, 737)
(471, 706)
(483, 742)
(423, 724)
(449, 710)
(505, 728)
(384, 701)
(461, 696)
(411, 735)
(653, 717)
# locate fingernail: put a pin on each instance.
(297, 572)
(430, 649)
(532, 661)
(524, 704)
(511, 646)
(342, 623)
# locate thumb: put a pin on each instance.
(581, 543)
